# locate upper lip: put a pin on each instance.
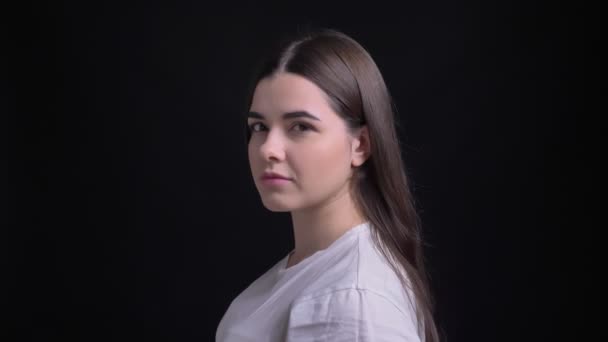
(269, 174)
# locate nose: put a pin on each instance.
(272, 148)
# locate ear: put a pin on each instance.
(361, 147)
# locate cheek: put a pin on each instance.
(253, 156)
(249, 151)
(323, 163)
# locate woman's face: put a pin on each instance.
(315, 152)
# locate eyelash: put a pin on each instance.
(305, 126)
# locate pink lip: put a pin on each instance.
(275, 181)
(273, 175)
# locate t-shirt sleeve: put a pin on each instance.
(350, 315)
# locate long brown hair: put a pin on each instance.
(346, 72)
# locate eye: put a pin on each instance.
(253, 126)
(303, 127)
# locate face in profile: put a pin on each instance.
(297, 135)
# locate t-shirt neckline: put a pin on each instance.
(307, 260)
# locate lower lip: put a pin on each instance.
(275, 181)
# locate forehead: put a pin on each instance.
(286, 92)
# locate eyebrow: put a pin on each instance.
(289, 115)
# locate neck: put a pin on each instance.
(315, 228)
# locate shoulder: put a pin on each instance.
(351, 314)
(358, 298)
(363, 268)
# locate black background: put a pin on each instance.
(132, 214)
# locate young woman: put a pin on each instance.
(322, 145)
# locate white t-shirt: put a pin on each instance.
(346, 292)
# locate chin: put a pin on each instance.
(277, 204)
